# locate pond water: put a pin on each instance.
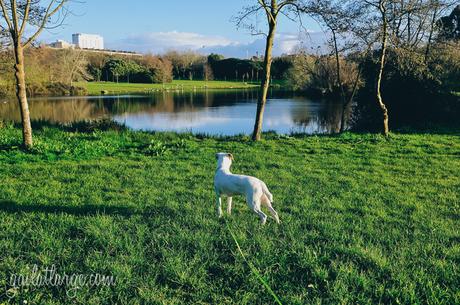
(210, 112)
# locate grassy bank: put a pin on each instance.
(364, 220)
(186, 85)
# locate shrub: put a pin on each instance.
(89, 126)
(156, 148)
(319, 74)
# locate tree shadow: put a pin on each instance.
(12, 146)
(83, 126)
(12, 207)
(430, 129)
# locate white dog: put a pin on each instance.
(255, 190)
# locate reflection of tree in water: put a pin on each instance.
(307, 116)
(175, 102)
(53, 110)
(325, 120)
(70, 109)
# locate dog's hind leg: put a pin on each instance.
(253, 201)
(229, 205)
(263, 217)
(219, 205)
(258, 211)
(273, 212)
(266, 201)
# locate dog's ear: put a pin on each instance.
(231, 157)
(217, 156)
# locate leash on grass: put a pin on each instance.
(252, 267)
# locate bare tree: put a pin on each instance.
(271, 9)
(376, 25)
(407, 28)
(338, 18)
(74, 66)
(381, 5)
(17, 15)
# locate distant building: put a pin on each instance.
(61, 44)
(88, 41)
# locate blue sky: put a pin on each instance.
(159, 26)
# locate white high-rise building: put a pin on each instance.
(88, 41)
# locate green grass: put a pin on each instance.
(187, 85)
(365, 220)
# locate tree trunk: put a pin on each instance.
(265, 82)
(339, 81)
(430, 36)
(382, 65)
(348, 102)
(22, 95)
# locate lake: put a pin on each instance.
(227, 112)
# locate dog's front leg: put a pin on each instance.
(219, 205)
(229, 205)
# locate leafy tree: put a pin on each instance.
(158, 70)
(96, 63)
(117, 67)
(184, 62)
(450, 25)
(235, 68)
(212, 58)
(300, 75)
(281, 66)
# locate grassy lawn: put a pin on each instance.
(97, 87)
(364, 220)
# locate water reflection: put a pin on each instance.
(212, 112)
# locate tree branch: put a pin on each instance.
(48, 14)
(14, 15)
(25, 18)
(270, 17)
(5, 15)
(245, 14)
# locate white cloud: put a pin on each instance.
(285, 43)
(160, 42)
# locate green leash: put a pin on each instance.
(251, 266)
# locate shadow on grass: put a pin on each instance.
(12, 207)
(84, 126)
(432, 129)
(11, 147)
(89, 126)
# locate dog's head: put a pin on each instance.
(224, 159)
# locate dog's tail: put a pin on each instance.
(267, 192)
